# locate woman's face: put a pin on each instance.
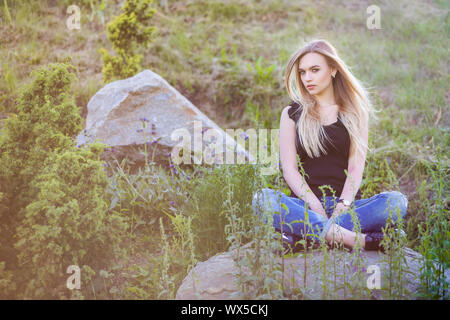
(314, 71)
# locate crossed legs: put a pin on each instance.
(372, 214)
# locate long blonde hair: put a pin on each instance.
(352, 98)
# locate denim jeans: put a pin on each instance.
(372, 213)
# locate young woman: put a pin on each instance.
(326, 125)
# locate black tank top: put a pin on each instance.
(326, 169)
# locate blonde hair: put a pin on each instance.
(350, 95)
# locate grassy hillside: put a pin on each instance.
(229, 59)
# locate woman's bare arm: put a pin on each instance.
(288, 157)
(356, 164)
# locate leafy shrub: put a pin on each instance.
(52, 195)
(68, 223)
(121, 66)
(126, 32)
(47, 120)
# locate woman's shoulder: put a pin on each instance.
(295, 110)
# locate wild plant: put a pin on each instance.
(394, 242)
(435, 234)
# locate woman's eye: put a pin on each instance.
(302, 72)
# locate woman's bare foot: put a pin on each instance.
(338, 234)
(371, 241)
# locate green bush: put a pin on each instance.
(46, 121)
(68, 223)
(126, 32)
(52, 195)
(119, 67)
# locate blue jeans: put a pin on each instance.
(372, 213)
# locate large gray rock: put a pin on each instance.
(115, 116)
(217, 277)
